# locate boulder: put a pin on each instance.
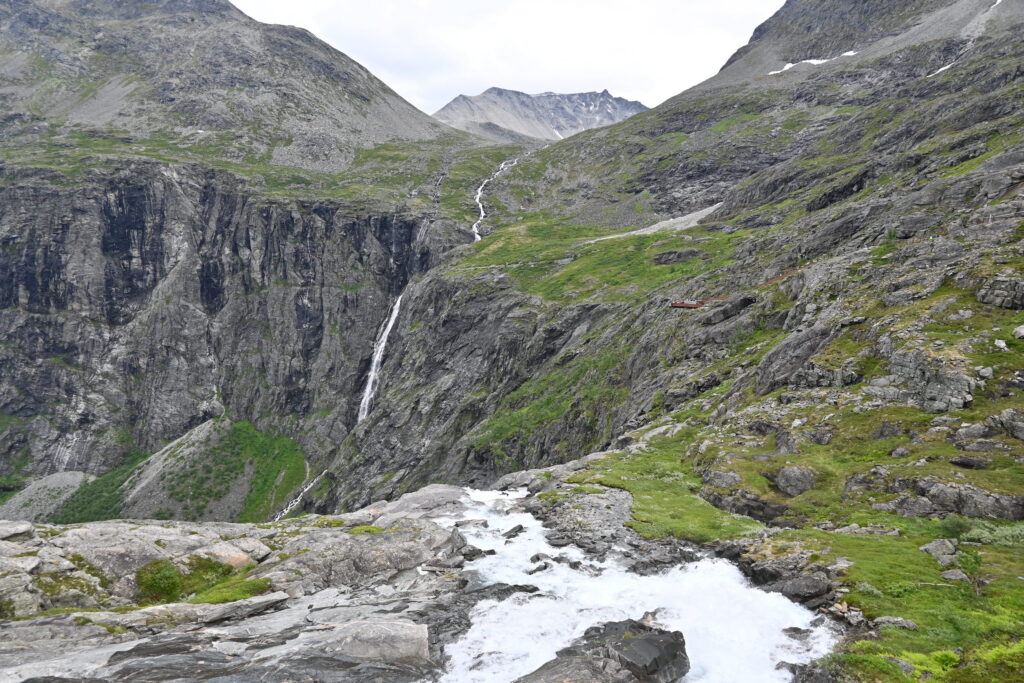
(897, 622)
(620, 651)
(795, 479)
(16, 531)
(722, 480)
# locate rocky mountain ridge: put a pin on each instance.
(196, 75)
(512, 116)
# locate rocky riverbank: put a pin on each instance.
(385, 593)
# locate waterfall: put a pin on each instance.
(509, 163)
(294, 503)
(377, 361)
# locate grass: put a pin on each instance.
(101, 498)
(665, 503)
(203, 581)
(275, 464)
(551, 258)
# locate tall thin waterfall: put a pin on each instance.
(377, 361)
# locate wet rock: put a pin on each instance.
(805, 588)
(795, 479)
(645, 653)
(514, 531)
(745, 503)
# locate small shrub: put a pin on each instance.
(159, 581)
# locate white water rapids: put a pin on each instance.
(480, 195)
(377, 360)
(734, 632)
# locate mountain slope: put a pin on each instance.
(196, 75)
(506, 115)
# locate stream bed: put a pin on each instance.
(734, 631)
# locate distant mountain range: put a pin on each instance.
(510, 115)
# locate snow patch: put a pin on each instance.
(812, 62)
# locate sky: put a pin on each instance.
(429, 51)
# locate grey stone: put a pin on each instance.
(16, 531)
(955, 575)
(897, 622)
(795, 479)
(645, 653)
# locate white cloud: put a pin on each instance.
(431, 51)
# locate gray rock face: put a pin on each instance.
(365, 603)
(938, 498)
(1003, 292)
(621, 651)
(505, 114)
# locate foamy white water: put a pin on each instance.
(733, 631)
(377, 360)
(480, 195)
(294, 503)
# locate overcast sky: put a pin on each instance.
(432, 50)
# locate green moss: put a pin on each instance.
(363, 530)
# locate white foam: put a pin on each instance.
(733, 631)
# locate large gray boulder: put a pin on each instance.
(795, 479)
(619, 651)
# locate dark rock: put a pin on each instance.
(804, 588)
(679, 256)
(514, 531)
(644, 652)
(970, 462)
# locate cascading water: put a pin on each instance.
(509, 163)
(287, 510)
(377, 360)
(734, 631)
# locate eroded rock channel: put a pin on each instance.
(445, 583)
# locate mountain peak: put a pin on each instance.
(501, 114)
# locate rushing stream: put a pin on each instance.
(480, 195)
(734, 632)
